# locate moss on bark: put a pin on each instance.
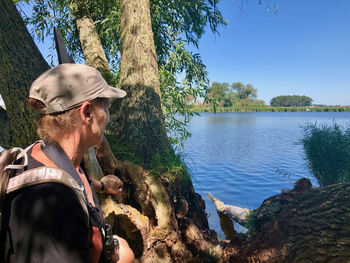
(20, 63)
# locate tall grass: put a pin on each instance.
(327, 152)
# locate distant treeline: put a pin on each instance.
(271, 109)
(291, 101)
(236, 94)
(238, 97)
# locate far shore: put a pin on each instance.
(272, 109)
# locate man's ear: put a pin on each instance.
(86, 112)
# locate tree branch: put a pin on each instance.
(238, 214)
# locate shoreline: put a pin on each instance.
(272, 109)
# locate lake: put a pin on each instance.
(244, 158)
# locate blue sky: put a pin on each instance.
(304, 49)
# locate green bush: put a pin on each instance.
(327, 152)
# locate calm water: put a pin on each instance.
(235, 156)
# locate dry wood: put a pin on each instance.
(238, 214)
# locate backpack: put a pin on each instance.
(8, 160)
(16, 159)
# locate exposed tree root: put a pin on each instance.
(152, 214)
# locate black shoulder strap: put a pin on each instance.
(56, 154)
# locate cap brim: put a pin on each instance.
(112, 92)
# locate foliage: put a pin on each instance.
(235, 95)
(175, 24)
(174, 168)
(118, 149)
(291, 101)
(250, 225)
(219, 91)
(186, 18)
(170, 163)
(327, 152)
(48, 14)
(176, 95)
(244, 91)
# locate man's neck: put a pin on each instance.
(74, 148)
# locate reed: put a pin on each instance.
(327, 152)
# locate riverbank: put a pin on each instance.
(273, 109)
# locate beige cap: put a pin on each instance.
(68, 85)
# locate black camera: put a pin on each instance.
(110, 246)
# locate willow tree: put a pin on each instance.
(20, 63)
(141, 129)
(175, 23)
(141, 125)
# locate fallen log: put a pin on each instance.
(300, 225)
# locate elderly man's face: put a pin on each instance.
(100, 120)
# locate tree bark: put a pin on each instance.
(91, 44)
(139, 59)
(20, 64)
(161, 229)
(141, 129)
(4, 129)
(300, 225)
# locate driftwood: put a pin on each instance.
(238, 214)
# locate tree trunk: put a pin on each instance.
(141, 129)
(91, 44)
(20, 64)
(4, 129)
(300, 225)
(139, 122)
